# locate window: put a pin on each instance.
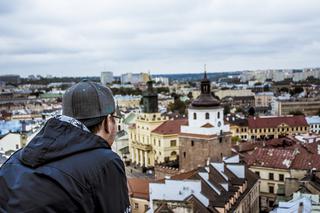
(17, 146)
(257, 173)
(271, 189)
(184, 154)
(270, 176)
(194, 116)
(281, 177)
(159, 142)
(136, 205)
(192, 143)
(173, 143)
(146, 208)
(207, 115)
(218, 116)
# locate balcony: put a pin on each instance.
(145, 147)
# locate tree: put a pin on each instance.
(284, 89)
(177, 106)
(251, 111)
(296, 112)
(296, 90)
(235, 139)
(226, 109)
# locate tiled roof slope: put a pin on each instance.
(138, 188)
(170, 127)
(274, 122)
(296, 155)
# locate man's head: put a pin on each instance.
(93, 105)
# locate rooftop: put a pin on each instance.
(170, 127)
(274, 122)
(138, 188)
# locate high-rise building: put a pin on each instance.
(106, 78)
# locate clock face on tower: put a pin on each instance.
(219, 123)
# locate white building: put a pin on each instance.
(303, 203)
(263, 99)
(134, 78)
(12, 142)
(314, 123)
(162, 80)
(106, 78)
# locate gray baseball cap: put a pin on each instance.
(87, 100)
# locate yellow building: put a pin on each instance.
(267, 127)
(140, 143)
(165, 143)
(138, 189)
(238, 127)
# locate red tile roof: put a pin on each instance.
(270, 157)
(138, 188)
(295, 156)
(170, 127)
(207, 125)
(274, 122)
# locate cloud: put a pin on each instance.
(84, 37)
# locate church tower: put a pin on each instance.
(150, 99)
(206, 137)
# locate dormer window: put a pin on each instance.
(194, 116)
(207, 116)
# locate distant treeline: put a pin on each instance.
(57, 79)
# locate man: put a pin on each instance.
(69, 165)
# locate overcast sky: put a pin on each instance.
(81, 38)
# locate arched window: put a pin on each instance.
(194, 116)
(218, 115)
(207, 115)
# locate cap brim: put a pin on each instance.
(92, 121)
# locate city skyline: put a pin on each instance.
(82, 39)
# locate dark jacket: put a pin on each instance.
(64, 169)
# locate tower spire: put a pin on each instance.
(205, 71)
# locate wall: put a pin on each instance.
(196, 153)
(140, 203)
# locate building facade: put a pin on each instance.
(269, 127)
(307, 106)
(263, 99)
